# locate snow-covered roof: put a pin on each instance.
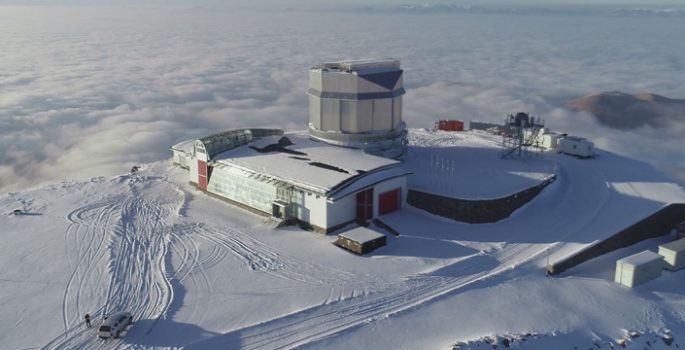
(185, 146)
(675, 246)
(641, 258)
(361, 234)
(367, 181)
(308, 164)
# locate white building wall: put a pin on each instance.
(330, 114)
(315, 111)
(382, 114)
(549, 141)
(341, 211)
(193, 170)
(316, 79)
(314, 208)
(674, 254)
(177, 157)
(348, 116)
(582, 149)
(365, 116)
(396, 111)
(339, 82)
(632, 276)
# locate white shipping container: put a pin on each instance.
(674, 254)
(639, 268)
(576, 146)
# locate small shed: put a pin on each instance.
(361, 240)
(451, 125)
(576, 146)
(674, 254)
(639, 268)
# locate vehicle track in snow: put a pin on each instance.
(128, 237)
(319, 322)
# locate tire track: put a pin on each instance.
(135, 231)
(314, 324)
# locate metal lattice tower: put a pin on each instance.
(521, 137)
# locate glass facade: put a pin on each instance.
(222, 142)
(244, 187)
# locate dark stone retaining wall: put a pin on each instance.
(658, 224)
(474, 211)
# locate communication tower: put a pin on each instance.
(522, 136)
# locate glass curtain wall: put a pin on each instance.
(243, 187)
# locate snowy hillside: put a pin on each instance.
(198, 273)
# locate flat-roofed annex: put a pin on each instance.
(303, 162)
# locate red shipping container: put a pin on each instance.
(451, 125)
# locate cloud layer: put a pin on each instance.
(92, 91)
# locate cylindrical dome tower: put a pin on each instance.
(358, 104)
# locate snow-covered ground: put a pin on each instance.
(198, 273)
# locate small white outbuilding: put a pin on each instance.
(674, 254)
(576, 146)
(639, 268)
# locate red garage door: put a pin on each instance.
(389, 201)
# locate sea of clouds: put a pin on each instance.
(90, 91)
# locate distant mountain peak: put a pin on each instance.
(626, 111)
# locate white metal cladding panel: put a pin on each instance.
(365, 116)
(632, 276)
(550, 141)
(365, 86)
(177, 157)
(389, 185)
(193, 170)
(339, 82)
(330, 115)
(348, 116)
(382, 114)
(396, 111)
(316, 80)
(647, 272)
(315, 111)
(314, 208)
(674, 255)
(342, 211)
(183, 160)
(624, 274)
(399, 82)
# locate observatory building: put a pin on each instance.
(345, 170)
(292, 178)
(358, 104)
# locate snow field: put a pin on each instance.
(198, 273)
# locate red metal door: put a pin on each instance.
(389, 201)
(202, 175)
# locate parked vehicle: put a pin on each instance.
(114, 324)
